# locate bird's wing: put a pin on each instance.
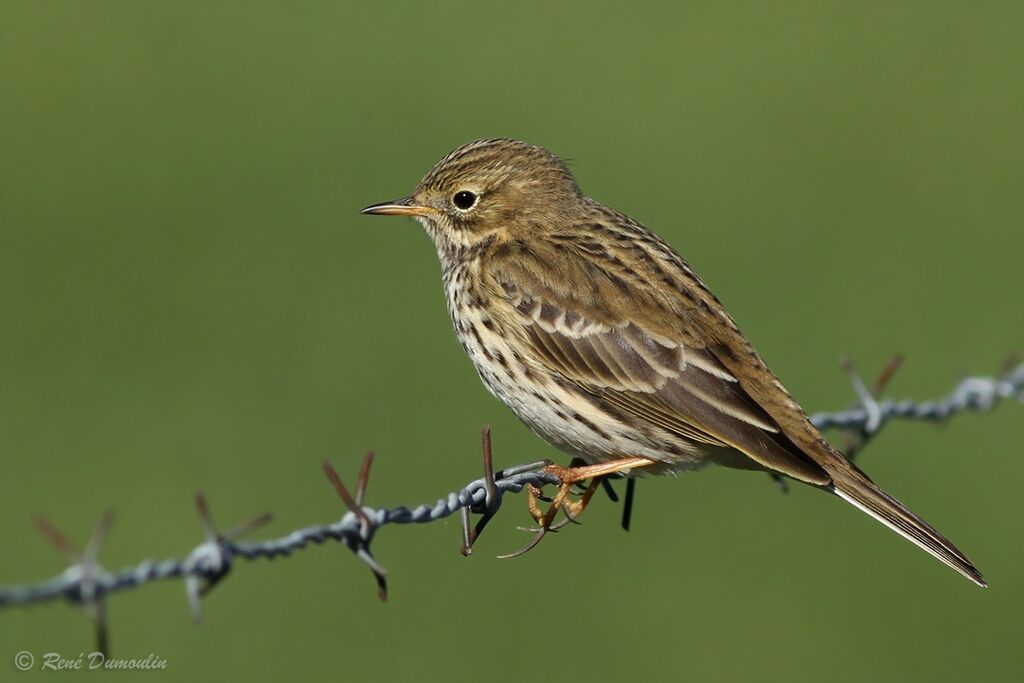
(634, 329)
(634, 349)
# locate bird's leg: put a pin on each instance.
(597, 475)
(574, 508)
(570, 476)
(578, 462)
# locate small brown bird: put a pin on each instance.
(605, 342)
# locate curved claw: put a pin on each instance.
(537, 529)
(529, 546)
(571, 477)
(569, 519)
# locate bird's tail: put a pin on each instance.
(853, 486)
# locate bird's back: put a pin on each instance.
(603, 340)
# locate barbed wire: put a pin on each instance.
(86, 583)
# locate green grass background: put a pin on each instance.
(189, 299)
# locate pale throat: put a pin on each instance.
(449, 243)
(454, 245)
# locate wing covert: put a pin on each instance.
(637, 357)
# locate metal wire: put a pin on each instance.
(977, 394)
(86, 583)
(211, 560)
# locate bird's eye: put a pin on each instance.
(464, 200)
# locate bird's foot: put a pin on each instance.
(570, 476)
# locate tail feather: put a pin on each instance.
(855, 488)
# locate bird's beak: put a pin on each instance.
(399, 207)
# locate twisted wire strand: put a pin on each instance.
(973, 394)
(211, 559)
(86, 583)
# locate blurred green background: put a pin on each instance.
(189, 300)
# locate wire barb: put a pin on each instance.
(210, 561)
(857, 437)
(360, 544)
(86, 584)
(88, 591)
(491, 502)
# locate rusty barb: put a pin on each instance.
(360, 545)
(855, 438)
(86, 584)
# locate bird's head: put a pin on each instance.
(485, 190)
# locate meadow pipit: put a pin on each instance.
(605, 342)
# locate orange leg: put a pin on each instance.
(569, 476)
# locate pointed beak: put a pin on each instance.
(399, 207)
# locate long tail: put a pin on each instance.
(853, 486)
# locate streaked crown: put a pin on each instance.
(496, 163)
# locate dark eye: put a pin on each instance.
(464, 199)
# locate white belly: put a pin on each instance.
(561, 416)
